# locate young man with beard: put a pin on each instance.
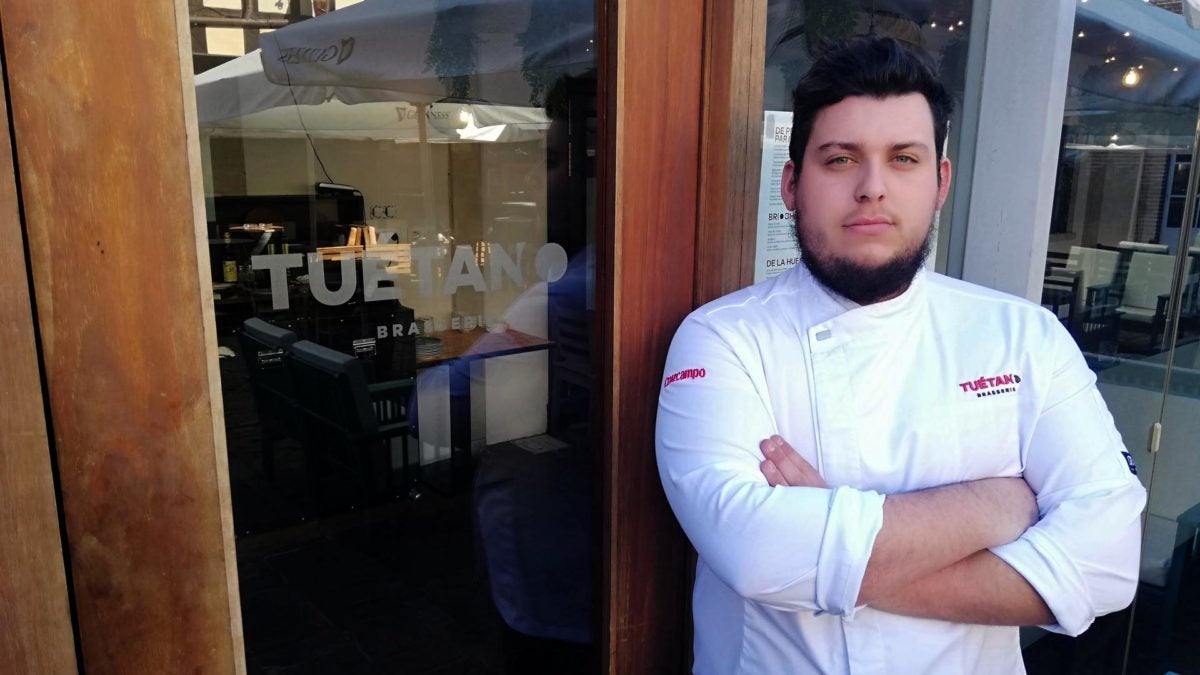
(938, 467)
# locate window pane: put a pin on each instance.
(401, 225)
(1128, 127)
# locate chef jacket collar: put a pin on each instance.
(833, 310)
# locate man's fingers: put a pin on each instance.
(790, 461)
(774, 476)
(794, 469)
(780, 453)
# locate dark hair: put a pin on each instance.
(867, 66)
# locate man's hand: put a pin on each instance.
(784, 466)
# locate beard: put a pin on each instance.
(862, 283)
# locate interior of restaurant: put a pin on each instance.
(1123, 275)
(403, 283)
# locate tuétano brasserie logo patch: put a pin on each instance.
(992, 385)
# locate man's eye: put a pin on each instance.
(906, 159)
(841, 159)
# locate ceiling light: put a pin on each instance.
(1131, 78)
(933, 24)
(1126, 33)
(1080, 34)
(1114, 138)
(950, 28)
(960, 23)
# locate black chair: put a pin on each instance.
(570, 369)
(346, 420)
(1060, 289)
(263, 347)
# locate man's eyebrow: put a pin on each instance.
(840, 145)
(914, 145)
(855, 147)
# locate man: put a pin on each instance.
(955, 473)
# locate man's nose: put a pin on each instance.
(871, 186)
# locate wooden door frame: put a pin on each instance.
(102, 104)
(34, 601)
(681, 84)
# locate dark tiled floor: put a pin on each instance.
(349, 584)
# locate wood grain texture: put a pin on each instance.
(99, 111)
(731, 145)
(655, 138)
(34, 610)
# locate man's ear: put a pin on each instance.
(787, 187)
(944, 174)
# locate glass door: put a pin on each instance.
(401, 223)
(1122, 274)
(1117, 275)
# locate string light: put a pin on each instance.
(960, 23)
(1114, 138)
(933, 24)
(1175, 69)
(1080, 35)
(1126, 33)
(950, 28)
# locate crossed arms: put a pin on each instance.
(930, 558)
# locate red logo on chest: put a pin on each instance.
(991, 386)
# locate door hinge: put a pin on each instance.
(1155, 436)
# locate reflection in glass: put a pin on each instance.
(401, 223)
(1114, 246)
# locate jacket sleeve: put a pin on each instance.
(795, 549)
(1083, 554)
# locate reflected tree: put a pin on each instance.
(452, 47)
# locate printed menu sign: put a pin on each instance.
(775, 250)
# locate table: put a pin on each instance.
(459, 350)
(480, 344)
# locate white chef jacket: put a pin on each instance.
(948, 382)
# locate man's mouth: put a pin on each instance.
(869, 225)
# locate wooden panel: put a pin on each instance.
(101, 105)
(653, 134)
(34, 611)
(731, 146)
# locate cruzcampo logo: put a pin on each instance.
(337, 53)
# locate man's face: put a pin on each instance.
(865, 197)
